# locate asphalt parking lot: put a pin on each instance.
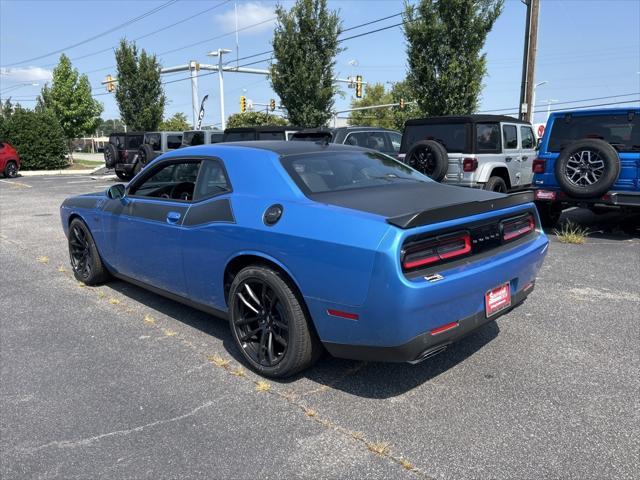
(117, 382)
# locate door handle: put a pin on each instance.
(173, 217)
(525, 158)
(508, 159)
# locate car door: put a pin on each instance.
(208, 233)
(511, 152)
(527, 154)
(394, 140)
(148, 234)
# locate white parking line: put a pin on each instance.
(20, 184)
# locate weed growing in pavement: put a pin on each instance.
(114, 301)
(262, 386)
(149, 320)
(61, 269)
(310, 412)
(218, 360)
(169, 333)
(572, 233)
(239, 372)
(406, 464)
(379, 448)
(43, 259)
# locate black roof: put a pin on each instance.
(476, 118)
(266, 128)
(284, 148)
(365, 129)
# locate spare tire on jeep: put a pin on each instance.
(430, 158)
(587, 168)
(145, 155)
(110, 155)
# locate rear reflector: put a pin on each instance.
(341, 314)
(545, 195)
(518, 227)
(444, 328)
(538, 165)
(469, 165)
(437, 249)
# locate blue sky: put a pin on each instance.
(586, 48)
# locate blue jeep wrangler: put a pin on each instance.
(588, 158)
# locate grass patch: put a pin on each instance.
(310, 412)
(61, 269)
(114, 301)
(406, 464)
(149, 320)
(381, 448)
(43, 259)
(263, 386)
(572, 233)
(218, 360)
(101, 294)
(239, 372)
(169, 333)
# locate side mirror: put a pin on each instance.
(116, 191)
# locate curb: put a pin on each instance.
(35, 173)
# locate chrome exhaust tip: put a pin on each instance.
(429, 352)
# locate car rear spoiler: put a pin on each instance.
(442, 214)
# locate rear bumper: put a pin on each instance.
(613, 198)
(424, 345)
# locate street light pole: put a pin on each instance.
(218, 53)
(533, 99)
(549, 102)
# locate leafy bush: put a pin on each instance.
(254, 119)
(38, 138)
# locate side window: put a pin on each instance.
(488, 137)
(153, 139)
(528, 140)
(175, 181)
(510, 136)
(395, 139)
(212, 180)
(373, 140)
(174, 141)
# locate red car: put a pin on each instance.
(9, 160)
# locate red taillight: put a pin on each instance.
(469, 164)
(538, 165)
(436, 250)
(518, 227)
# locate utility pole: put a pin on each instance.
(218, 53)
(529, 58)
(194, 67)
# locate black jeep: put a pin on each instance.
(121, 150)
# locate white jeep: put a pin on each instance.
(493, 152)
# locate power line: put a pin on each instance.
(567, 102)
(578, 107)
(102, 34)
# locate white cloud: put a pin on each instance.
(250, 13)
(26, 74)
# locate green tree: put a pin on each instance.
(305, 44)
(69, 98)
(176, 123)
(254, 119)
(387, 117)
(139, 92)
(38, 137)
(444, 43)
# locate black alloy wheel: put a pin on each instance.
(424, 161)
(270, 324)
(11, 170)
(85, 261)
(261, 324)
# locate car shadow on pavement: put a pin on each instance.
(364, 379)
(605, 224)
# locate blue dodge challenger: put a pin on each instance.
(306, 246)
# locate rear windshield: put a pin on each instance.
(271, 136)
(193, 138)
(618, 130)
(239, 136)
(454, 136)
(333, 171)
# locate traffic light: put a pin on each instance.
(243, 104)
(402, 105)
(110, 86)
(358, 86)
(272, 104)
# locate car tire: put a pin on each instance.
(496, 184)
(587, 168)
(429, 158)
(85, 259)
(271, 327)
(110, 155)
(124, 175)
(145, 155)
(10, 169)
(549, 214)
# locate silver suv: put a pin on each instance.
(493, 152)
